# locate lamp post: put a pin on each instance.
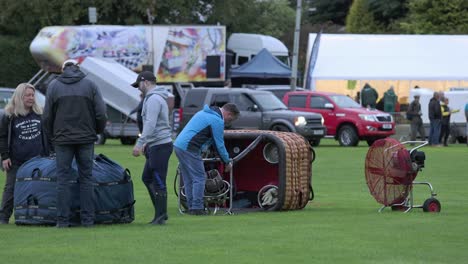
(297, 32)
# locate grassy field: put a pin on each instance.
(340, 226)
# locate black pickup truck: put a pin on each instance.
(258, 110)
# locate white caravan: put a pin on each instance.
(246, 46)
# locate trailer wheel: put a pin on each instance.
(101, 139)
(431, 205)
(314, 142)
(127, 140)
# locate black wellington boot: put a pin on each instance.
(161, 205)
(159, 200)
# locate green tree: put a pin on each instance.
(21, 20)
(389, 13)
(328, 10)
(273, 17)
(436, 17)
(360, 19)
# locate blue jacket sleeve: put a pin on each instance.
(218, 136)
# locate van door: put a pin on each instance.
(250, 114)
(318, 104)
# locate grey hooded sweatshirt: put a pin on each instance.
(155, 115)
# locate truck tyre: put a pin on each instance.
(371, 141)
(279, 127)
(127, 140)
(101, 139)
(347, 136)
(314, 142)
(462, 140)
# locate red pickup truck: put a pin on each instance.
(345, 120)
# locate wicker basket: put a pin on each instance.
(290, 168)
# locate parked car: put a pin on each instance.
(278, 90)
(112, 128)
(7, 93)
(258, 110)
(347, 121)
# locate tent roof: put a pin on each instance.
(390, 57)
(263, 65)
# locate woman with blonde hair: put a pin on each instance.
(20, 140)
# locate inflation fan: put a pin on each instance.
(390, 172)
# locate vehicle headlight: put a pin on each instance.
(365, 117)
(300, 121)
(322, 120)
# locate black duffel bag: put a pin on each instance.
(35, 196)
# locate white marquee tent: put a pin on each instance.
(389, 57)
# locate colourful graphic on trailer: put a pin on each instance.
(180, 51)
(126, 45)
(185, 54)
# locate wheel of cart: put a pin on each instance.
(390, 172)
(217, 190)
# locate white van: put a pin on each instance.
(246, 46)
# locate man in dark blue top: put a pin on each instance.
(205, 128)
(74, 114)
(435, 117)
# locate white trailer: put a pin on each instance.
(175, 53)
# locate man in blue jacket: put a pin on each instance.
(205, 128)
(74, 114)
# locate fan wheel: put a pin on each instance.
(431, 205)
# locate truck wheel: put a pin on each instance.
(315, 142)
(371, 141)
(280, 127)
(347, 136)
(462, 139)
(101, 139)
(127, 140)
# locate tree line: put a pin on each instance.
(21, 20)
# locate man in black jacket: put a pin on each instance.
(414, 111)
(74, 114)
(435, 117)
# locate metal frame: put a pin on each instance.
(234, 160)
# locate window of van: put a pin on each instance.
(195, 98)
(242, 102)
(318, 102)
(297, 101)
(219, 100)
(242, 59)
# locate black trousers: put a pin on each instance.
(444, 133)
(6, 208)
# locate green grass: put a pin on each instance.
(340, 226)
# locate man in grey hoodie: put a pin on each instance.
(155, 142)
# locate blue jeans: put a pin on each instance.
(193, 173)
(84, 155)
(157, 161)
(434, 132)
